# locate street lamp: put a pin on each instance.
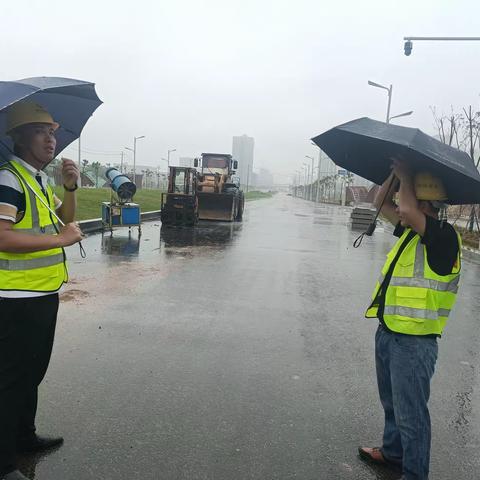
(311, 176)
(131, 150)
(168, 155)
(406, 114)
(298, 176)
(408, 46)
(134, 150)
(389, 90)
(305, 177)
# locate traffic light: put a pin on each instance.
(408, 47)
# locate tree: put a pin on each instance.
(461, 130)
(148, 174)
(96, 170)
(84, 163)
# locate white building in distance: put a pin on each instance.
(185, 162)
(242, 151)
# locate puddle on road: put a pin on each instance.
(74, 294)
(123, 246)
(322, 221)
(204, 237)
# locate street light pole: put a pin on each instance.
(389, 90)
(311, 178)
(389, 104)
(134, 150)
(409, 45)
(305, 179)
(318, 175)
(406, 114)
(168, 154)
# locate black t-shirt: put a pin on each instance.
(441, 242)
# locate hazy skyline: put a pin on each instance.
(190, 75)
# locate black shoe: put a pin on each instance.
(36, 443)
(15, 475)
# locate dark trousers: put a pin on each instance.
(27, 330)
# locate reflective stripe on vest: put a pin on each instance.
(424, 283)
(416, 312)
(417, 300)
(30, 264)
(41, 271)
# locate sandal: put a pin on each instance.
(375, 455)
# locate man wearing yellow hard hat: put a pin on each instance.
(412, 300)
(32, 272)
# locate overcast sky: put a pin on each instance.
(190, 74)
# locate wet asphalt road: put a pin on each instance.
(234, 352)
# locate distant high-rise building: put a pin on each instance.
(265, 178)
(242, 151)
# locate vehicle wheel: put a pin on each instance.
(241, 206)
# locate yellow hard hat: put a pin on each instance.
(429, 187)
(23, 113)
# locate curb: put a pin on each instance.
(470, 253)
(95, 224)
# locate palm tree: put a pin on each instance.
(96, 170)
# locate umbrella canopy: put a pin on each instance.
(70, 102)
(367, 147)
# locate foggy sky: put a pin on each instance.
(191, 74)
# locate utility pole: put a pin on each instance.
(318, 175)
(305, 166)
(168, 155)
(121, 163)
(134, 150)
(310, 196)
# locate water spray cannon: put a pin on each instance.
(120, 211)
(123, 187)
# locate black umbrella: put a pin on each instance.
(367, 147)
(70, 102)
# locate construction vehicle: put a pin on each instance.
(219, 195)
(179, 206)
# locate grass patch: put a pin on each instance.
(254, 195)
(89, 201)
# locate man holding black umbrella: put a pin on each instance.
(32, 271)
(412, 300)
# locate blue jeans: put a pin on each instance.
(405, 365)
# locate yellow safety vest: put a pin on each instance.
(417, 301)
(42, 271)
